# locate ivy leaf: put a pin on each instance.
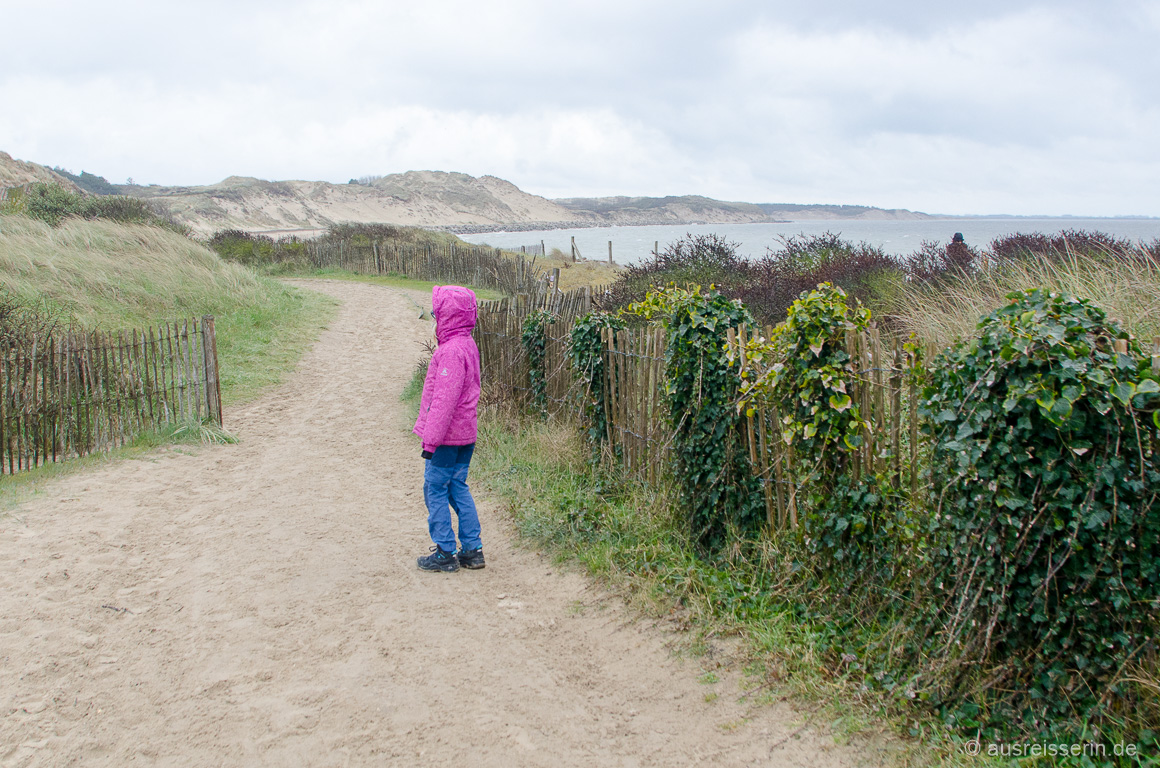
(841, 403)
(1144, 388)
(1123, 391)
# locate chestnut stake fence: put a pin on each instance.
(640, 432)
(476, 265)
(72, 394)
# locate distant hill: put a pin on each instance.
(17, 173)
(453, 201)
(432, 199)
(694, 209)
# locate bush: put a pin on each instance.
(242, 247)
(691, 260)
(1047, 527)
(768, 286)
(718, 488)
(23, 324)
(90, 182)
(933, 261)
(586, 353)
(1022, 245)
(853, 522)
(534, 340)
(805, 261)
(52, 204)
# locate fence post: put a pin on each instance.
(609, 251)
(213, 390)
(4, 371)
(573, 249)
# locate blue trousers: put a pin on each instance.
(445, 483)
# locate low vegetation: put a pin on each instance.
(1125, 281)
(53, 204)
(937, 293)
(118, 276)
(291, 256)
(1009, 598)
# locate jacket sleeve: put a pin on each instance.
(449, 379)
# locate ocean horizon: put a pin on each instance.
(631, 245)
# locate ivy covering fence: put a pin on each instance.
(986, 518)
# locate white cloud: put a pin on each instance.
(1000, 106)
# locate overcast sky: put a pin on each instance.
(968, 107)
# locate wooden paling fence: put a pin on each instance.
(640, 433)
(498, 332)
(471, 265)
(71, 394)
(886, 395)
(567, 305)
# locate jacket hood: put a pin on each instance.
(455, 311)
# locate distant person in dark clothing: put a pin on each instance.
(959, 254)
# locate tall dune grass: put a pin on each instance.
(1126, 284)
(117, 276)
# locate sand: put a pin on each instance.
(259, 604)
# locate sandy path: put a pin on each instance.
(258, 604)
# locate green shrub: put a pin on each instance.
(1047, 538)
(53, 204)
(243, 248)
(586, 353)
(769, 285)
(718, 489)
(534, 340)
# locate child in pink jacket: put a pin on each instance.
(447, 425)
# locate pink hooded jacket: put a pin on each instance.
(447, 414)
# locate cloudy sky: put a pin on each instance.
(971, 107)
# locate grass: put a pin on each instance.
(580, 274)
(118, 276)
(390, 281)
(1126, 286)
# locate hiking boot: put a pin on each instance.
(471, 559)
(439, 560)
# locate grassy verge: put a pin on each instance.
(628, 537)
(120, 276)
(1126, 285)
(390, 281)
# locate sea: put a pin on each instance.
(631, 245)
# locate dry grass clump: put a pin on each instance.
(580, 274)
(118, 275)
(1124, 283)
